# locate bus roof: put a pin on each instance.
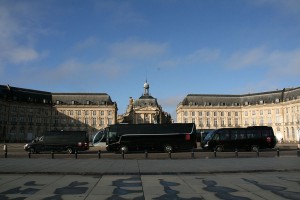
(152, 128)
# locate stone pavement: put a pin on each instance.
(145, 167)
(227, 186)
(194, 179)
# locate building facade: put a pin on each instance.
(279, 109)
(144, 110)
(26, 114)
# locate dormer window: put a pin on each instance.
(277, 100)
(261, 102)
(88, 102)
(58, 102)
(246, 103)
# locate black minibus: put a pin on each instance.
(251, 138)
(69, 141)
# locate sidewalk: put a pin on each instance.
(147, 167)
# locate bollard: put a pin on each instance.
(193, 153)
(75, 154)
(52, 154)
(170, 155)
(215, 153)
(123, 154)
(298, 152)
(257, 152)
(146, 154)
(277, 152)
(5, 150)
(29, 154)
(236, 153)
(99, 154)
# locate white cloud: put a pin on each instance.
(249, 58)
(138, 50)
(287, 6)
(275, 62)
(86, 43)
(21, 55)
(17, 33)
(198, 57)
(120, 12)
(203, 55)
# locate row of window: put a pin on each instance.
(93, 121)
(222, 122)
(85, 112)
(246, 113)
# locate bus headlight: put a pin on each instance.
(206, 145)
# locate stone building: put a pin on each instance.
(26, 114)
(279, 109)
(144, 110)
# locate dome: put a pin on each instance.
(146, 85)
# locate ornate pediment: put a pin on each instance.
(146, 108)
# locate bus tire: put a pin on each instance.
(124, 148)
(69, 150)
(219, 148)
(168, 148)
(254, 148)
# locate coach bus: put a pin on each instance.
(251, 138)
(150, 137)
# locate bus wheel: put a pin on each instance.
(69, 150)
(168, 148)
(254, 148)
(124, 149)
(219, 148)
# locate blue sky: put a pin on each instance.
(181, 47)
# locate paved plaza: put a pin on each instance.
(87, 179)
(242, 186)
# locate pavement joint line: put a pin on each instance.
(153, 173)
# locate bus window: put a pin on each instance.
(216, 137)
(266, 133)
(253, 134)
(241, 134)
(234, 135)
(224, 135)
(112, 136)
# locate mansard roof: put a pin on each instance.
(239, 100)
(35, 96)
(24, 95)
(82, 98)
(146, 100)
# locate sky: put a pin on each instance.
(179, 47)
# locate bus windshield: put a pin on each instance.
(100, 137)
(209, 136)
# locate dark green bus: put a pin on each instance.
(251, 138)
